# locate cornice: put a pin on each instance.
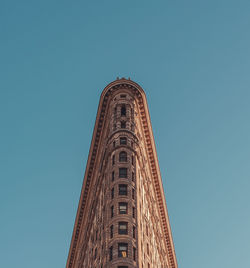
(153, 161)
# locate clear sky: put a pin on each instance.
(191, 57)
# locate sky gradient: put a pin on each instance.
(192, 58)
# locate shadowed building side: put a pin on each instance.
(122, 219)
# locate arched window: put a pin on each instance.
(123, 110)
(122, 156)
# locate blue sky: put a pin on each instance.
(191, 57)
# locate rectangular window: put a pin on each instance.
(133, 193)
(113, 159)
(133, 231)
(110, 253)
(123, 172)
(113, 176)
(123, 124)
(112, 193)
(134, 254)
(123, 141)
(123, 157)
(123, 228)
(95, 253)
(123, 189)
(122, 250)
(111, 231)
(123, 111)
(112, 211)
(133, 212)
(123, 208)
(132, 160)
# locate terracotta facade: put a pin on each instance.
(122, 219)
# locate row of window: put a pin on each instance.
(123, 157)
(122, 229)
(123, 209)
(123, 173)
(123, 141)
(122, 252)
(123, 190)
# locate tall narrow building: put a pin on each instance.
(122, 219)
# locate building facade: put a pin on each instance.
(122, 219)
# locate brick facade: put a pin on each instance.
(122, 219)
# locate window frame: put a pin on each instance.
(123, 124)
(122, 231)
(123, 192)
(121, 251)
(123, 157)
(125, 204)
(123, 141)
(123, 173)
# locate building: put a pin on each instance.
(122, 219)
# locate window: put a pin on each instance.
(113, 176)
(112, 211)
(123, 141)
(113, 143)
(110, 253)
(95, 253)
(113, 159)
(112, 193)
(122, 156)
(133, 231)
(146, 229)
(123, 172)
(123, 189)
(132, 159)
(123, 208)
(133, 212)
(122, 250)
(123, 96)
(111, 231)
(133, 193)
(123, 228)
(123, 110)
(123, 124)
(147, 249)
(134, 254)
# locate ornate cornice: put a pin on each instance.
(152, 156)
